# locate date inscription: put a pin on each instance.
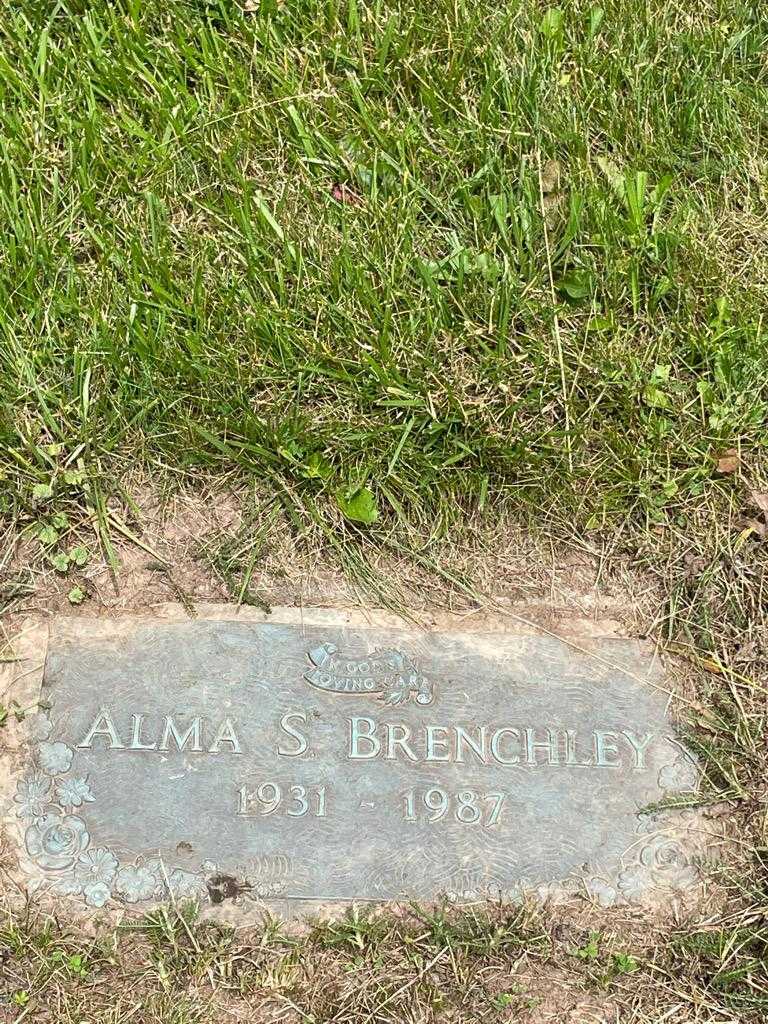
(270, 797)
(465, 806)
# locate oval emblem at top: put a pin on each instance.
(391, 673)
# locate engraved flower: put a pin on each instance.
(40, 727)
(96, 894)
(663, 864)
(185, 885)
(656, 821)
(136, 882)
(680, 776)
(99, 865)
(264, 891)
(602, 891)
(68, 885)
(32, 795)
(55, 840)
(557, 891)
(515, 892)
(635, 883)
(668, 863)
(464, 895)
(74, 792)
(54, 758)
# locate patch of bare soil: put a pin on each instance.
(193, 548)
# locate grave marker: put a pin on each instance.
(280, 763)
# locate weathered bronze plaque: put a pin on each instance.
(218, 759)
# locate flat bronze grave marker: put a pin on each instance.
(279, 762)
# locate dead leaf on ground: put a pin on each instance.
(550, 176)
(720, 810)
(613, 173)
(728, 462)
(760, 500)
(694, 565)
(746, 653)
(705, 718)
(344, 194)
(758, 528)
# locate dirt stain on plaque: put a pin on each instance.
(226, 887)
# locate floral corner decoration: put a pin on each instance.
(662, 864)
(682, 776)
(58, 841)
(50, 799)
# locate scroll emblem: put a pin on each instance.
(391, 674)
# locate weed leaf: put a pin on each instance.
(358, 505)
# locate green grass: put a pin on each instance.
(532, 293)
(406, 271)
